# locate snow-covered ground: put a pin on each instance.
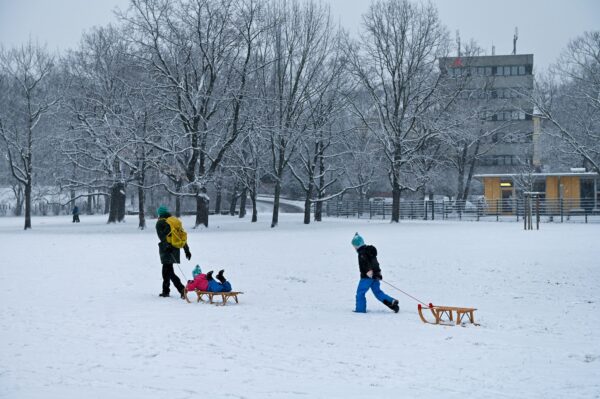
(80, 316)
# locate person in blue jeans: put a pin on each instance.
(370, 277)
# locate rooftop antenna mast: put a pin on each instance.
(515, 37)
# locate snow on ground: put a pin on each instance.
(80, 316)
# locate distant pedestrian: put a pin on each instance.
(370, 277)
(75, 214)
(172, 238)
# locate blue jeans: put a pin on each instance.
(363, 286)
(215, 286)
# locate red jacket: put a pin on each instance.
(198, 283)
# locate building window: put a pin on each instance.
(514, 70)
(488, 71)
(499, 71)
(521, 70)
(507, 71)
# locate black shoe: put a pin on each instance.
(395, 306)
(164, 295)
(209, 276)
(220, 277)
(392, 305)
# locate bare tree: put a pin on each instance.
(298, 46)
(568, 99)
(320, 145)
(25, 99)
(198, 52)
(104, 118)
(395, 61)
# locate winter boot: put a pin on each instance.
(209, 276)
(392, 305)
(163, 295)
(220, 277)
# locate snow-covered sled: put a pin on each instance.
(224, 296)
(445, 315)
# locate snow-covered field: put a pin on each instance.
(80, 316)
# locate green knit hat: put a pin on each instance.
(162, 211)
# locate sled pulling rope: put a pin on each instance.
(443, 315)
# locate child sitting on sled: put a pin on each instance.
(206, 282)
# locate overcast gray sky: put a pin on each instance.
(545, 26)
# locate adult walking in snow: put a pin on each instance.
(172, 237)
(75, 214)
(370, 275)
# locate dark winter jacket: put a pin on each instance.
(367, 260)
(168, 253)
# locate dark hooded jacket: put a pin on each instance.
(168, 253)
(367, 260)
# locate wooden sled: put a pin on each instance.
(224, 296)
(444, 315)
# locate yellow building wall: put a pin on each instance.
(552, 192)
(572, 191)
(492, 193)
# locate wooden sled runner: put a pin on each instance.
(445, 315)
(224, 296)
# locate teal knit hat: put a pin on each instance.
(196, 271)
(357, 241)
(162, 211)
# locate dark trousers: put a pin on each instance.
(75, 218)
(169, 275)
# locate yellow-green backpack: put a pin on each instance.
(177, 237)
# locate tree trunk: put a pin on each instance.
(395, 199)
(141, 213)
(254, 210)
(472, 163)
(28, 204)
(202, 203)
(307, 203)
(233, 201)
(178, 184)
(276, 195)
(117, 203)
(20, 198)
(218, 200)
(243, 196)
(89, 205)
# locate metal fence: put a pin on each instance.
(549, 210)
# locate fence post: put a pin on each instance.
(525, 213)
(432, 210)
(497, 210)
(561, 210)
(537, 213)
